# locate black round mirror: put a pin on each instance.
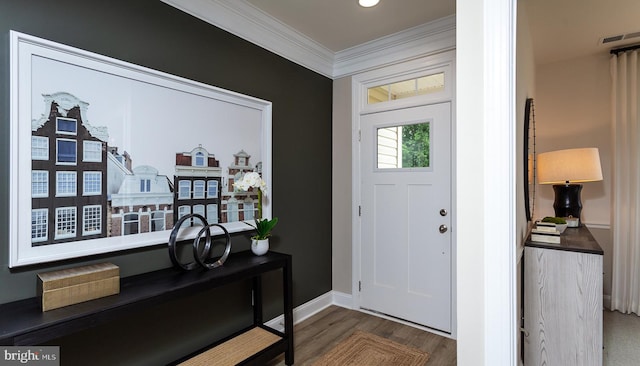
(529, 158)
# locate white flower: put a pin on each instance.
(263, 187)
(251, 180)
(240, 185)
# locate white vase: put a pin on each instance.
(259, 247)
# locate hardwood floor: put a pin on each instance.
(323, 331)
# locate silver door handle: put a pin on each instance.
(443, 212)
(443, 229)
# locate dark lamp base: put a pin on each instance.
(567, 200)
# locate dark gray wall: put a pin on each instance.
(155, 35)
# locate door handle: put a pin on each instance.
(443, 229)
(443, 212)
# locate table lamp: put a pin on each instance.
(566, 169)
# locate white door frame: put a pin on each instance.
(444, 62)
(486, 164)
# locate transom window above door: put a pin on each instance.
(406, 88)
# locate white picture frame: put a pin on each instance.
(148, 114)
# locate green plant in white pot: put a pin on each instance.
(259, 241)
(263, 228)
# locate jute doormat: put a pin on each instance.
(365, 349)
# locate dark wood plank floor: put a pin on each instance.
(323, 331)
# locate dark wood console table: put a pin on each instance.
(23, 323)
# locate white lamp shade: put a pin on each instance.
(571, 165)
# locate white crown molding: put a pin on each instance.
(244, 20)
(426, 39)
(248, 22)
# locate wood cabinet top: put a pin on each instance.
(573, 239)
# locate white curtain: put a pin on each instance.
(625, 293)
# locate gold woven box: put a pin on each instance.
(74, 285)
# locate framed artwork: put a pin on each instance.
(106, 155)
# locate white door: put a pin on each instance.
(406, 214)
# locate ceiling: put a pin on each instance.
(560, 29)
(341, 24)
(566, 29)
(338, 37)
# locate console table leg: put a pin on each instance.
(257, 300)
(288, 310)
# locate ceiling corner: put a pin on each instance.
(252, 24)
(247, 22)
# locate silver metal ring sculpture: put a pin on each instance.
(201, 256)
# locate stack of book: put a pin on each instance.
(545, 232)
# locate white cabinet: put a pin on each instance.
(563, 301)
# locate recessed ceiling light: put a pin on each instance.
(368, 3)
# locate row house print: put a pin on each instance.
(68, 172)
(143, 201)
(239, 205)
(197, 185)
(84, 189)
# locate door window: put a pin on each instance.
(403, 146)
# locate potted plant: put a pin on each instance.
(259, 241)
(263, 228)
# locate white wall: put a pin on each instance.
(525, 88)
(341, 186)
(573, 110)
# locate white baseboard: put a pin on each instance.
(303, 311)
(343, 300)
